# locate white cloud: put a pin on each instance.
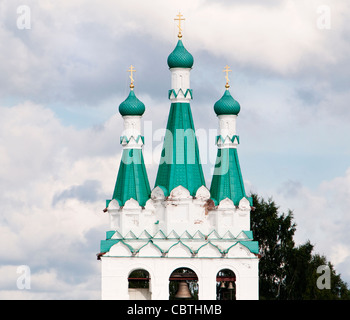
(43, 285)
(74, 51)
(321, 215)
(37, 232)
(340, 253)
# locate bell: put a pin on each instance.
(183, 292)
(230, 286)
(222, 285)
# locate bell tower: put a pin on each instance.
(179, 240)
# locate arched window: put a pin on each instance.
(225, 285)
(139, 285)
(183, 285)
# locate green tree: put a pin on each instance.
(275, 235)
(287, 271)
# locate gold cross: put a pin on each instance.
(179, 26)
(227, 70)
(131, 70)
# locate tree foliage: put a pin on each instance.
(287, 271)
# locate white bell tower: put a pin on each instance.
(180, 240)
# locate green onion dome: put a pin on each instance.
(132, 106)
(180, 57)
(227, 105)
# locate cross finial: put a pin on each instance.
(179, 25)
(131, 70)
(227, 70)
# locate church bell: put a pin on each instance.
(230, 286)
(183, 291)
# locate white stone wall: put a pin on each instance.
(180, 83)
(132, 132)
(180, 212)
(179, 231)
(132, 126)
(115, 272)
(227, 125)
(139, 294)
(180, 78)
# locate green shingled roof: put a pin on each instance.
(132, 106)
(227, 179)
(180, 163)
(180, 57)
(227, 105)
(132, 181)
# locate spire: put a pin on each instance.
(132, 180)
(180, 162)
(227, 181)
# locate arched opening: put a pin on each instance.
(139, 285)
(225, 285)
(183, 284)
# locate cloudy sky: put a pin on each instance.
(63, 75)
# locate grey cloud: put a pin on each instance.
(308, 97)
(89, 191)
(290, 189)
